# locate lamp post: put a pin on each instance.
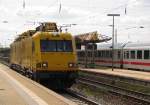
(113, 15)
(134, 27)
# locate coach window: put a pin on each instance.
(124, 54)
(78, 53)
(146, 54)
(110, 54)
(119, 54)
(95, 53)
(89, 54)
(127, 54)
(139, 54)
(99, 54)
(102, 54)
(82, 54)
(132, 54)
(105, 54)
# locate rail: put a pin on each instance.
(145, 98)
(85, 100)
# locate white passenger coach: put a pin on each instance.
(126, 55)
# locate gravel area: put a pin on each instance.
(103, 96)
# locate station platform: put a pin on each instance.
(16, 89)
(137, 75)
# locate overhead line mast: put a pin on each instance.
(24, 4)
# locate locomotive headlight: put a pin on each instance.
(45, 64)
(38, 65)
(70, 64)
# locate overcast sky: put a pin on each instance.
(89, 15)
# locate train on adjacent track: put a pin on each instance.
(46, 54)
(129, 55)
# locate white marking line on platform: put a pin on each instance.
(28, 94)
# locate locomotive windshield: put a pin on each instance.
(56, 45)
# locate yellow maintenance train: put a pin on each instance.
(46, 53)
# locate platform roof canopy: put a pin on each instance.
(91, 37)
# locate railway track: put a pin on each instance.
(137, 96)
(78, 98)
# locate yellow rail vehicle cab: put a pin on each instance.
(54, 57)
(47, 56)
(54, 52)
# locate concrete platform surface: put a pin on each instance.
(140, 75)
(16, 89)
(8, 95)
